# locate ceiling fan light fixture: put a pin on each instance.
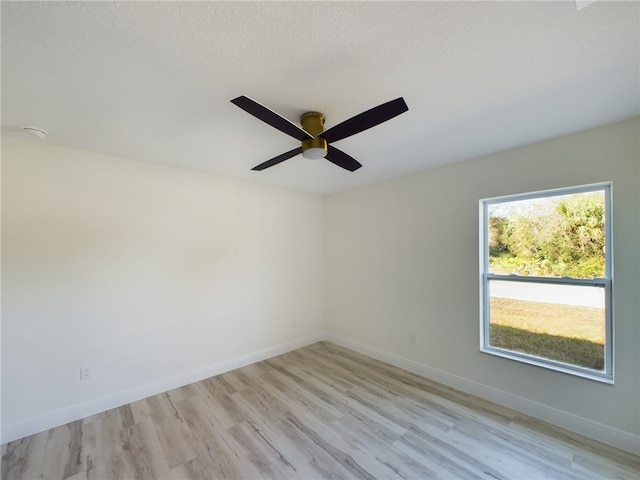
(314, 153)
(316, 147)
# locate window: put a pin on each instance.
(546, 279)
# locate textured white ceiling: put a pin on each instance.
(152, 80)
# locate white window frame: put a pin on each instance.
(606, 283)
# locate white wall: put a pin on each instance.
(402, 257)
(146, 273)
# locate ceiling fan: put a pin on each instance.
(316, 141)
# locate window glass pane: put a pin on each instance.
(565, 323)
(554, 236)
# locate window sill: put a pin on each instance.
(549, 364)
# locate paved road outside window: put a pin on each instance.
(585, 296)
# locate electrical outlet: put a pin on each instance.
(86, 372)
(412, 339)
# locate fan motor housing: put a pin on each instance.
(316, 147)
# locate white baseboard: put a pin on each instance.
(603, 433)
(98, 405)
(611, 436)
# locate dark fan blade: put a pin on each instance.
(278, 159)
(272, 118)
(342, 159)
(365, 120)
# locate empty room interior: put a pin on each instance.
(320, 240)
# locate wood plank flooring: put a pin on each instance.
(315, 413)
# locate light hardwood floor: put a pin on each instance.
(315, 413)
